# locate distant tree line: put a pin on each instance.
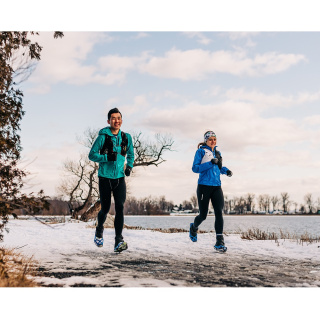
(148, 206)
(133, 206)
(266, 203)
(161, 206)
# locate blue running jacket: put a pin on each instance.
(209, 173)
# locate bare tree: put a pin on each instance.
(309, 202)
(295, 206)
(231, 204)
(274, 200)
(261, 202)
(249, 200)
(267, 201)
(150, 153)
(187, 205)
(164, 205)
(80, 182)
(318, 204)
(194, 201)
(240, 204)
(285, 201)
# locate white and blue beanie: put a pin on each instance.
(208, 135)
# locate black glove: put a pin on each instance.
(229, 173)
(214, 161)
(127, 172)
(217, 161)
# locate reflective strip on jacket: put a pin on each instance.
(111, 169)
(209, 173)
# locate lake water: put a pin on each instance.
(293, 224)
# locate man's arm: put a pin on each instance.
(94, 154)
(130, 152)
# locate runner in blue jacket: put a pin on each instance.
(208, 163)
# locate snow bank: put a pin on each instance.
(52, 242)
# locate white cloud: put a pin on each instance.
(243, 37)
(238, 125)
(64, 60)
(141, 35)
(139, 104)
(239, 35)
(262, 100)
(114, 68)
(196, 64)
(313, 120)
(201, 37)
(117, 63)
(273, 62)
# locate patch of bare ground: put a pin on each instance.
(216, 270)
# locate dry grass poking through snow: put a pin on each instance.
(257, 234)
(15, 269)
(168, 230)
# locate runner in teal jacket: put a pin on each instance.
(110, 150)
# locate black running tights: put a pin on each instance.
(118, 188)
(205, 194)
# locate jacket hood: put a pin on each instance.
(107, 130)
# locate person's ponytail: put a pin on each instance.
(201, 144)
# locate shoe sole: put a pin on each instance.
(221, 250)
(123, 246)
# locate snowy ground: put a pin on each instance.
(67, 257)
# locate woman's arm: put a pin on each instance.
(197, 167)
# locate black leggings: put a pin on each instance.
(118, 187)
(205, 194)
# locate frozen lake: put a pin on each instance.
(293, 224)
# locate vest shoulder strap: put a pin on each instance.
(107, 145)
(124, 143)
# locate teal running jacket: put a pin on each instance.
(111, 169)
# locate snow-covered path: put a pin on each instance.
(67, 257)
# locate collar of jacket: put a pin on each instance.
(207, 147)
(107, 131)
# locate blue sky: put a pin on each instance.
(259, 91)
